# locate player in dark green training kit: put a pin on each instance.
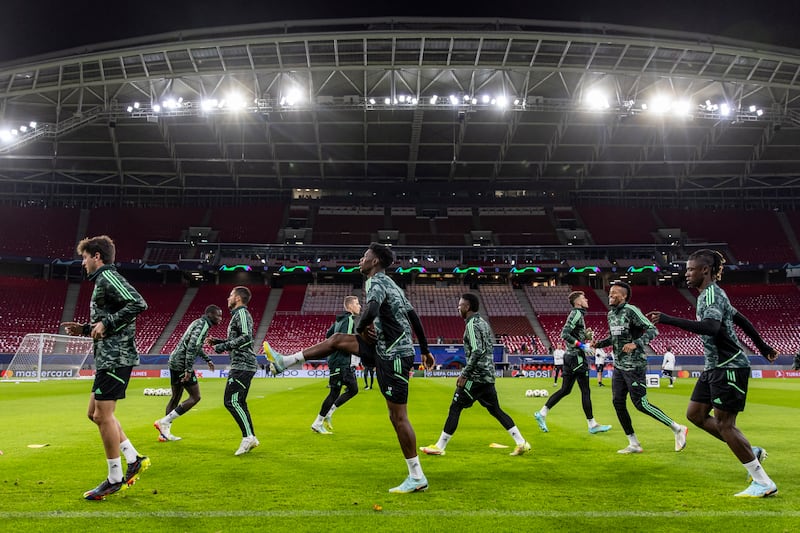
(476, 382)
(630, 331)
(239, 345)
(576, 367)
(722, 387)
(181, 370)
(340, 368)
(393, 353)
(112, 325)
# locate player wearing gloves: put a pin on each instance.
(576, 366)
(723, 384)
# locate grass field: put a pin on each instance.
(298, 480)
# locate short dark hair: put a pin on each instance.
(713, 259)
(243, 293)
(625, 286)
(472, 300)
(212, 309)
(101, 244)
(383, 253)
(574, 295)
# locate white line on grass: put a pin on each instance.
(59, 515)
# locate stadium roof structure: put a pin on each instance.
(594, 112)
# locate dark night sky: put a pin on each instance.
(32, 27)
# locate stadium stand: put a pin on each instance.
(606, 226)
(207, 294)
(773, 311)
(252, 224)
(347, 225)
(29, 306)
(132, 227)
(39, 232)
(518, 226)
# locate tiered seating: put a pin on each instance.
(520, 344)
(451, 230)
(438, 310)
(250, 224)
(669, 300)
(347, 225)
(549, 300)
(29, 306)
(206, 295)
(507, 317)
(162, 300)
(325, 299)
(518, 226)
(132, 227)
(754, 236)
(773, 311)
(413, 229)
(606, 225)
(38, 231)
(500, 300)
(291, 333)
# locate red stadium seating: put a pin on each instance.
(29, 306)
(39, 232)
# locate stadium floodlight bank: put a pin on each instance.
(48, 356)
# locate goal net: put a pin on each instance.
(48, 356)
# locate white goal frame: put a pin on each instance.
(48, 356)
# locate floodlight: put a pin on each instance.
(387, 101)
(724, 109)
(752, 109)
(434, 98)
(371, 101)
(453, 99)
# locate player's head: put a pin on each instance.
(468, 304)
(96, 252)
(239, 296)
(704, 264)
(619, 293)
(352, 305)
(377, 257)
(578, 299)
(214, 314)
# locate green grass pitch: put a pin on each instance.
(301, 481)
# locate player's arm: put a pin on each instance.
(243, 323)
(120, 290)
(416, 325)
(749, 329)
(568, 328)
(194, 345)
(649, 329)
(708, 326)
(368, 316)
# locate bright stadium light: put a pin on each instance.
(485, 99)
(434, 99)
(724, 109)
(130, 109)
(660, 104)
(596, 100)
(752, 109)
(136, 105)
(387, 101)
(5, 135)
(156, 108)
(682, 108)
(759, 112)
(502, 101)
(371, 101)
(33, 125)
(453, 99)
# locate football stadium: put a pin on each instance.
(466, 182)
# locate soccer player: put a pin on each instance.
(112, 326)
(630, 331)
(558, 364)
(181, 370)
(576, 367)
(476, 382)
(722, 387)
(341, 372)
(599, 365)
(239, 344)
(369, 370)
(668, 366)
(394, 319)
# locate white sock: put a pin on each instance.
(115, 470)
(444, 438)
(289, 360)
(171, 416)
(128, 451)
(676, 427)
(592, 422)
(414, 468)
(633, 440)
(331, 410)
(755, 469)
(544, 410)
(516, 435)
(318, 421)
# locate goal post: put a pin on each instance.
(48, 356)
